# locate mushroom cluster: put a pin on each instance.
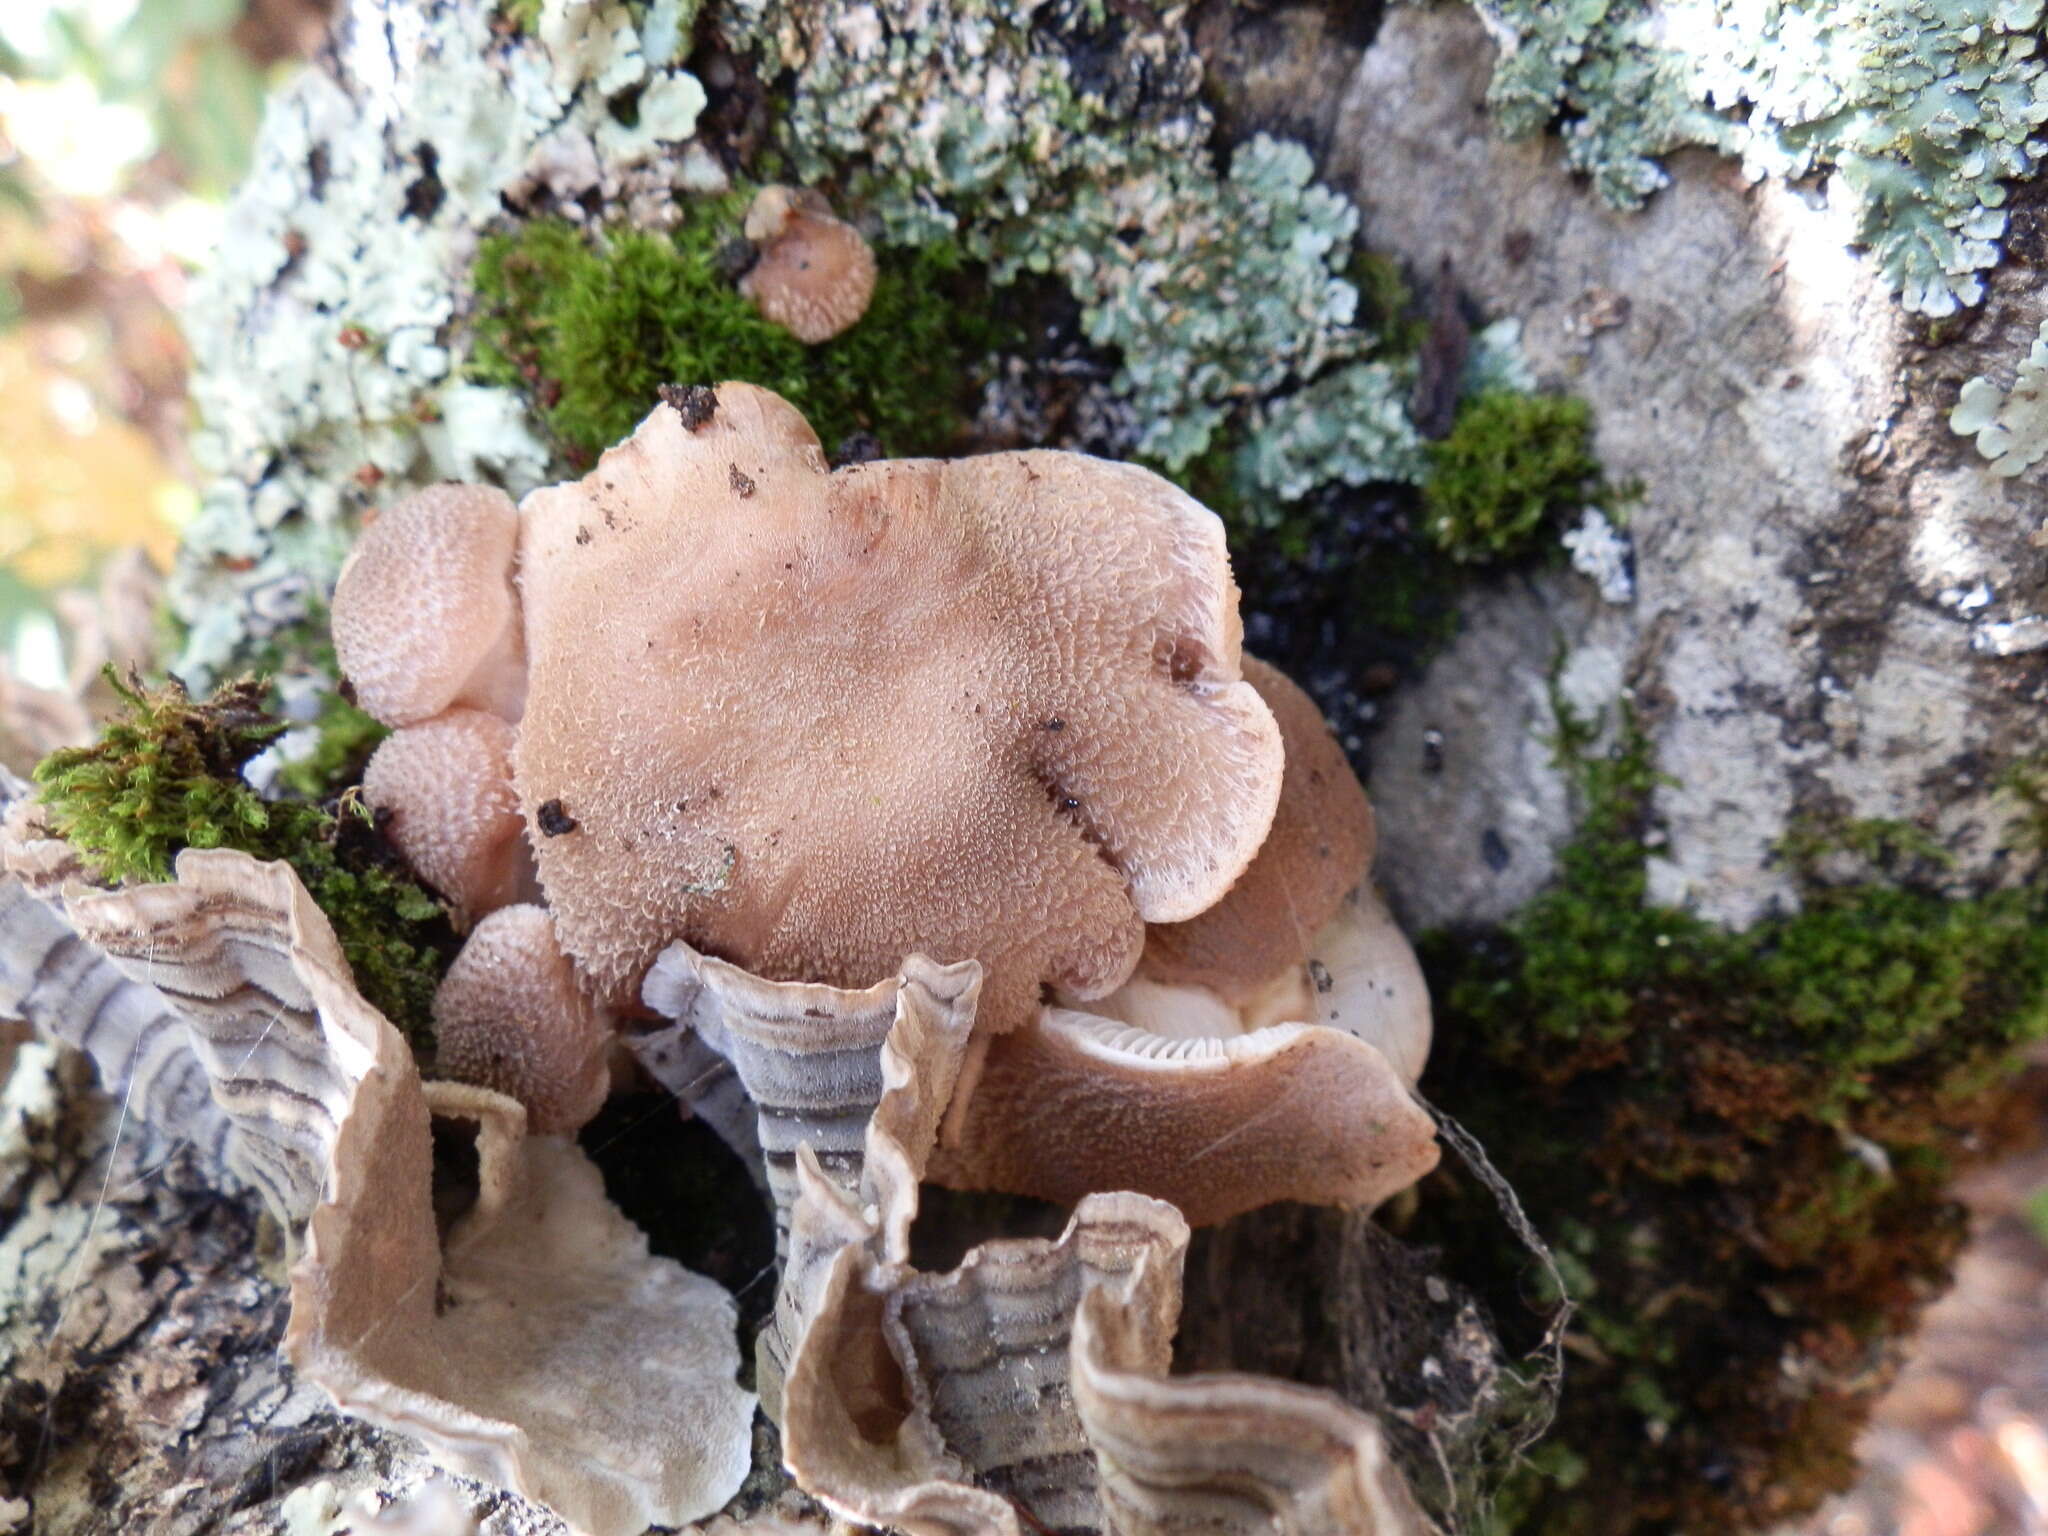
(808, 722)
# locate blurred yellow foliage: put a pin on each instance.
(76, 481)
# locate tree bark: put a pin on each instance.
(1804, 645)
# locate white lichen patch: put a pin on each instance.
(1919, 111)
(2011, 637)
(1602, 554)
(325, 337)
(2011, 426)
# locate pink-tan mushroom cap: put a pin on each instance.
(1075, 1102)
(1319, 848)
(811, 722)
(815, 274)
(1264, 1050)
(425, 615)
(509, 1016)
(443, 791)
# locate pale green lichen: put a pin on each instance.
(1064, 139)
(2011, 426)
(1920, 110)
(325, 370)
(1351, 425)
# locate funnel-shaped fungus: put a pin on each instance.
(1029, 1389)
(500, 1345)
(814, 273)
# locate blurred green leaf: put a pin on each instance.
(211, 133)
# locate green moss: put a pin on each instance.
(165, 775)
(521, 15)
(1386, 304)
(347, 735)
(1741, 1143)
(1512, 464)
(589, 330)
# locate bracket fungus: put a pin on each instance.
(933, 813)
(223, 1012)
(1029, 1388)
(813, 274)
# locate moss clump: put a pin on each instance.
(345, 735)
(1742, 1145)
(589, 330)
(166, 775)
(1511, 464)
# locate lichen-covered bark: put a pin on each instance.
(1823, 568)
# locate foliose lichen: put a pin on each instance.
(1921, 110)
(323, 374)
(1742, 1144)
(1069, 139)
(2010, 425)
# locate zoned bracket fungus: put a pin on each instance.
(1028, 1388)
(814, 274)
(812, 721)
(500, 1350)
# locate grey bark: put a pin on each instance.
(140, 1309)
(1808, 639)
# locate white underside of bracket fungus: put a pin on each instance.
(542, 1348)
(974, 1402)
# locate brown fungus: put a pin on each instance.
(807, 736)
(425, 616)
(509, 1016)
(230, 1026)
(443, 792)
(1263, 1050)
(815, 274)
(1319, 848)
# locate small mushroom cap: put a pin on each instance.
(447, 786)
(987, 709)
(424, 613)
(509, 1017)
(1320, 847)
(815, 274)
